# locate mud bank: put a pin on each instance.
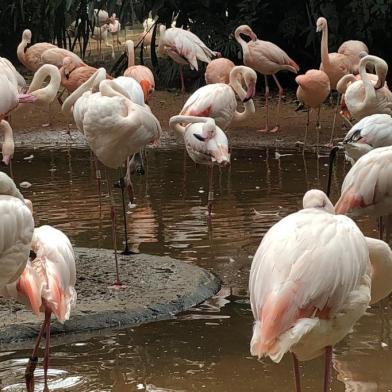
(155, 288)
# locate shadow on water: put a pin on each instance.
(208, 347)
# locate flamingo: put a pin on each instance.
(205, 143)
(353, 49)
(335, 65)
(73, 76)
(184, 48)
(141, 73)
(17, 225)
(313, 89)
(114, 126)
(218, 71)
(114, 28)
(367, 187)
(42, 53)
(100, 34)
(371, 132)
(47, 285)
(13, 75)
(8, 146)
(219, 101)
(268, 59)
(365, 97)
(309, 283)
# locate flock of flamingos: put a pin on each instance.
(314, 273)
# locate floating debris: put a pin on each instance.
(25, 184)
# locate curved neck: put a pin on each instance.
(7, 130)
(109, 88)
(235, 83)
(49, 92)
(342, 85)
(324, 47)
(370, 92)
(161, 44)
(131, 54)
(89, 84)
(240, 40)
(20, 51)
(176, 122)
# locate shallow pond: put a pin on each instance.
(208, 347)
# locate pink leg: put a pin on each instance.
(117, 283)
(98, 178)
(32, 363)
(281, 95)
(297, 376)
(210, 189)
(182, 79)
(266, 129)
(327, 371)
(48, 313)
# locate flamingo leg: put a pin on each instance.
(297, 377)
(318, 125)
(210, 189)
(327, 370)
(117, 283)
(330, 144)
(380, 228)
(182, 79)
(306, 129)
(281, 95)
(98, 177)
(48, 314)
(33, 360)
(11, 171)
(388, 229)
(266, 129)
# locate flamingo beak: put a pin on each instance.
(6, 159)
(253, 36)
(26, 98)
(251, 92)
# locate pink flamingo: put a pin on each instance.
(42, 53)
(268, 59)
(47, 285)
(218, 71)
(184, 48)
(307, 294)
(219, 101)
(353, 49)
(367, 187)
(313, 89)
(140, 73)
(114, 28)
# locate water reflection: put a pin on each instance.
(208, 348)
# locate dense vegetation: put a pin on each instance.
(290, 24)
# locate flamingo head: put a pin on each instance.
(26, 36)
(381, 71)
(148, 89)
(321, 24)
(250, 78)
(317, 199)
(68, 66)
(246, 30)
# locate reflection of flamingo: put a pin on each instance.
(140, 73)
(307, 294)
(313, 89)
(367, 187)
(364, 97)
(47, 284)
(371, 132)
(42, 53)
(205, 143)
(17, 227)
(219, 101)
(184, 48)
(113, 125)
(218, 71)
(266, 58)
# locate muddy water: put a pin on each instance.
(207, 348)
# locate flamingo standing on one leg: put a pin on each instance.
(219, 101)
(205, 143)
(47, 284)
(218, 71)
(313, 89)
(16, 232)
(268, 59)
(335, 65)
(367, 187)
(184, 48)
(114, 126)
(309, 283)
(42, 53)
(140, 73)
(371, 132)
